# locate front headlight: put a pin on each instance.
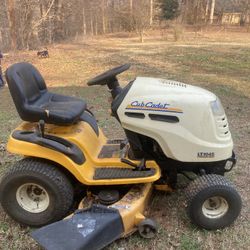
(217, 107)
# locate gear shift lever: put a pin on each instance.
(40, 128)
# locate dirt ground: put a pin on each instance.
(218, 61)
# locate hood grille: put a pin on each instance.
(173, 83)
(222, 126)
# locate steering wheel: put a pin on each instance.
(108, 76)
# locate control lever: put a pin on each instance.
(140, 167)
(124, 148)
(40, 128)
(123, 144)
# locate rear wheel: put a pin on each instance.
(35, 193)
(212, 202)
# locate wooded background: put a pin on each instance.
(30, 24)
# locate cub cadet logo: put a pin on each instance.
(151, 106)
(205, 155)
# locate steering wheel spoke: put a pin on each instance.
(108, 76)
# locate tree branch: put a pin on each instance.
(44, 16)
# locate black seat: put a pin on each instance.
(34, 102)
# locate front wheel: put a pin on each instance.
(147, 228)
(212, 202)
(35, 193)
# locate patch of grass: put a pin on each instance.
(188, 242)
(4, 227)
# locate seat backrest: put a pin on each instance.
(26, 85)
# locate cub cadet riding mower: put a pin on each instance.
(170, 128)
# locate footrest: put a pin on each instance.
(121, 173)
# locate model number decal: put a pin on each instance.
(206, 155)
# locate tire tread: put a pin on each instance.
(205, 181)
(47, 171)
(201, 187)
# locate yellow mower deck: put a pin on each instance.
(131, 206)
(102, 158)
(95, 226)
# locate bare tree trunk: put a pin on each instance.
(198, 14)
(207, 11)
(207, 7)
(96, 26)
(212, 12)
(84, 22)
(12, 23)
(141, 36)
(56, 21)
(103, 17)
(50, 31)
(131, 13)
(91, 23)
(151, 12)
(131, 8)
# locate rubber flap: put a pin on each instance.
(91, 229)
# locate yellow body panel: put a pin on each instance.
(82, 135)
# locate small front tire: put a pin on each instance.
(35, 193)
(212, 202)
(147, 228)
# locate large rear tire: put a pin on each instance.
(212, 202)
(35, 193)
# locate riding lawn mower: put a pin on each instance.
(171, 128)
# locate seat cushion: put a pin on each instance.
(59, 109)
(34, 102)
